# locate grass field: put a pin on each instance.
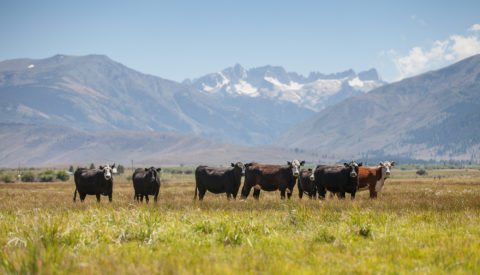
(418, 224)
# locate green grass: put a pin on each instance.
(417, 224)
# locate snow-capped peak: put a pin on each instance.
(316, 91)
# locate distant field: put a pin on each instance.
(425, 224)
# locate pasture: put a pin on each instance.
(418, 224)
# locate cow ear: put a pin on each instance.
(146, 169)
(100, 167)
(302, 163)
(113, 166)
(159, 169)
(393, 163)
(309, 169)
(289, 163)
(381, 163)
(345, 164)
(233, 165)
(360, 164)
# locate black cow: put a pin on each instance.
(270, 178)
(337, 179)
(94, 182)
(219, 180)
(146, 182)
(306, 184)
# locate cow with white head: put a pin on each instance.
(373, 178)
(270, 177)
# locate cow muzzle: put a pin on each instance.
(387, 174)
(312, 178)
(108, 177)
(353, 174)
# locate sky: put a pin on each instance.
(188, 39)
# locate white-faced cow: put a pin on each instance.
(94, 182)
(337, 179)
(306, 183)
(270, 178)
(146, 181)
(219, 180)
(373, 178)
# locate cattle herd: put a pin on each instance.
(338, 179)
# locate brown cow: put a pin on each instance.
(373, 178)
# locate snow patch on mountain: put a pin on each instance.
(284, 87)
(219, 84)
(245, 88)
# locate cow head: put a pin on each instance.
(386, 166)
(353, 168)
(107, 171)
(152, 174)
(295, 165)
(312, 175)
(239, 168)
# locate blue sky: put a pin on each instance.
(188, 39)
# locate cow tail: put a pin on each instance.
(75, 195)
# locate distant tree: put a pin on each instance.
(63, 176)
(421, 172)
(7, 178)
(28, 176)
(46, 176)
(70, 169)
(120, 169)
(92, 166)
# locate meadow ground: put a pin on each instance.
(418, 224)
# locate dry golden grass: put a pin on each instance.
(417, 224)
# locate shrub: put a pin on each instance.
(421, 172)
(92, 166)
(63, 176)
(120, 169)
(7, 178)
(46, 176)
(28, 176)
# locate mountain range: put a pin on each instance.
(95, 93)
(433, 116)
(314, 92)
(81, 108)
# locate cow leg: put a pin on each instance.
(289, 193)
(141, 197)
(245, 191)
(229, 196)
(82, 196)
(353, 196)
(110, 197)
(373, 193)
(321, 192)
(75, 195)
(256, 193)
(98, 197)
(155, 197)
(201, 193)
(146, 198)
(342, 195)
(300, 190)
